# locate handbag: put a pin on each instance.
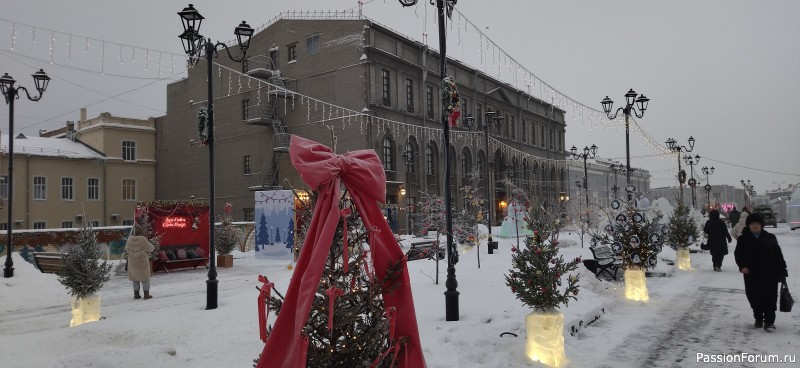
(786, 299)
(704, 244)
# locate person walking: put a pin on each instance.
(736, 230)
(733, 216)
(717, 233)
(139, 249)
(760, 260)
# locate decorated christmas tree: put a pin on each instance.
(348, 324)
(84, 272)
(682, 228)
(537, 268)
(465, 225)
(433, 214)
(632, 235)
(225, 236)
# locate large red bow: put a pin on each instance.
(362, 173)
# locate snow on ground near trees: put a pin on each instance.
(689, 313)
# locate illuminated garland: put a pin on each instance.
(202, 125)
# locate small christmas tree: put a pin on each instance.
(262, 239)
(357, 331)
(632, 235)
(465, 225)
(290, 236)
(433, 213)
(682, 228)
(226, 237)
(84, 273)
(537, 268)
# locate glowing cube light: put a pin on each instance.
(86, 309)
(546, 338)
(636, 285)
(683, 261)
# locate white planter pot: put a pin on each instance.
(684, 261)
(636, 285)
(86, 309)
(545, 342)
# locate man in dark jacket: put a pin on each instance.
(718, 238)
(760, 259)
(733, 216)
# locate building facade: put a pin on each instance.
(93, 170)
(376, 89)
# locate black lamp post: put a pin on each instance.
(587, 153)
(641, 103)
(748, 192)
(691, 161)
(451, 295)
(409, 157)
(492, 125)
(616, 168)
(708, 171)
(673, 146)
(11, 93)
(196, 47)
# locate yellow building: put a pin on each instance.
(97, 168)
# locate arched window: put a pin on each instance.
(388, 153)
(430, 159)
(466, 163)
(411, 156)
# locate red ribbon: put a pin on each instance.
(263, 306)
(390, 313)
(345, 213)
(332, 293)
(304, 352)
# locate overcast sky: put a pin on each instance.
(726, 72)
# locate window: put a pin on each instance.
(128, 189)
(39, 187)
(479, 114)
(246, 109)
(273, 58)
(524, 132)
(541, 135)
(465, 110)
(247, 165)
(94, 189)
(94, 223)
(411, 166)
(248, 214)
(4, 186)
(466, 163)
(533, 134)
(312, 44)
(409, 95)
(67, 189)
(388, 148)
(429, 101)
(38, 225)
(430, 160)
(552, 139)
(66, 224)
(127, 222)
(292, 52)
(4, 226)
(129, 150)
(387, 97)
(513, 125)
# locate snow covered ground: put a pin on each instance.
(689, 313)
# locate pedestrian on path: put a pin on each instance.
(736, 229)
(139, 249)
(760, 260)
(717, 233)
(733, 216)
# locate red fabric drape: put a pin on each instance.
(362, 173)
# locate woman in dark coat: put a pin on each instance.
(760, 259)
(717, 232)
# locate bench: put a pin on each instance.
(49, 262)
(187, 250)
(604, 262)
(425, 249)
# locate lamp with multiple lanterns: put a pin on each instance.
(691, 161)
(708, 171)
(630, 98)
(673, 146)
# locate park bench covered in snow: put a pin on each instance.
(425, 249)
(49, 262)
(604, 262)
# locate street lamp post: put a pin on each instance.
(492, 125)
(196, 46)
(11, 93)
(748, 192)
(641, 103)
(616, 168)
(451, 295)
(708, 171)
(587, 153)
(673, 146)
(409, 157)
(691, 161)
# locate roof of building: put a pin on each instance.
(49, 147)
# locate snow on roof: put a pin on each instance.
(50, 147)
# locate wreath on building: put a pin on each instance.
(451, 100)
(202, 125)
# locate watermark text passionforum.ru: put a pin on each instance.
(746, 358)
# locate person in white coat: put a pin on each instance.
(736, 230)
(139, 270)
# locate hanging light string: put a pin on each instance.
(125, 53)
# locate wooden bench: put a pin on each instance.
(189, 262)
(49, 262)
(425, 250)
(604, 262)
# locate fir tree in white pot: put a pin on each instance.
(536, 280)
(84, 274)
(682, 233)
(226, 238)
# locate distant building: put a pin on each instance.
(93, 170)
